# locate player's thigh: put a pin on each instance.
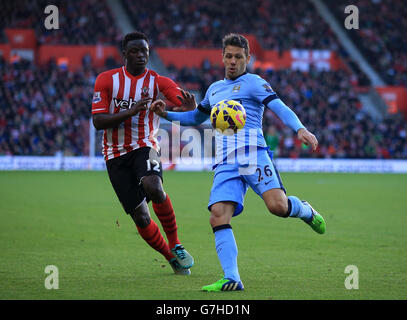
(148, 169)
(153, 188)
(228, 186)
(125, 184)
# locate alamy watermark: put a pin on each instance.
(52, 280)
(352, 280)
(352, 20)
(194, 146)
(52, 20)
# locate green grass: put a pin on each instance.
(74, 221)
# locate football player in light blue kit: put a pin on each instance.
(232, 178)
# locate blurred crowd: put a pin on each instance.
(329, 107)
(81, 22)
(46, 111)
(381, 35)
(327, 104)
(277, 24)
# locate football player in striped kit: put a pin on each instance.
(130, 147)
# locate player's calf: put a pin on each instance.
(276, 202)
(279, 208)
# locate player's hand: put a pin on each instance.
(158, 107)
(139, 105)
(307, 138)
(187, 100)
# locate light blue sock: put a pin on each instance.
(299, 210)
(226, 249)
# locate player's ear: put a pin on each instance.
(248, 59)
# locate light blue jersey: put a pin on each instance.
(251, 91)
(242, 160)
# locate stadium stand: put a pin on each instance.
(327, 102)
(45, 110)
(381, 35)
(184, 23)
(84, 22)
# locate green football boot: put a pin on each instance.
(317, 223)
(224, 285)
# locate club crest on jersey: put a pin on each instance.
(144, 92)
(124, 104)
(96, 97)
(236, 88)
(268, 87)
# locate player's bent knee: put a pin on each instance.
(154, 190)
(156, 195)
(221, 214)
(215, 220)
(141, 220)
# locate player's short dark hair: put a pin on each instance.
(236, 40)
(136, 35)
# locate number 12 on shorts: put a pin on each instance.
(156, 165)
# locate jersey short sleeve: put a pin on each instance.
(262, 91)
(169, 89)
(102, 94)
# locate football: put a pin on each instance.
(228, 117)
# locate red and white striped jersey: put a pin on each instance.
(115, 91)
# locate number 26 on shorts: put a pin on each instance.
(266, 170)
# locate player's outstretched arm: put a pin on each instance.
(188, 118)
(290, 119)
(111, 120)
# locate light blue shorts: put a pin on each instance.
(232, 180)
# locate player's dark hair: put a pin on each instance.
(236, 40)
(136, 35)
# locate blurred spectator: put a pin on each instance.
(272, 138)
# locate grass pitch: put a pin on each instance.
(73, 220)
